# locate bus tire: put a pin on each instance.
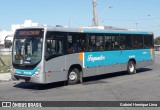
(73, 76)
(131, 67)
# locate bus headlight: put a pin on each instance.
(12, 70)
(37, 71)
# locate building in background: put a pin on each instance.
(6, 37)
(27, 23)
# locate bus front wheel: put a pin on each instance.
(73, 76)
(131, 67)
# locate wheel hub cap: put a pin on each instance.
(72, 76)
(131, 68)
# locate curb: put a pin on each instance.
(6, 80)
(5, 77)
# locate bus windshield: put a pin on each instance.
(27, 47)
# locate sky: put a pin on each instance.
(142, 15)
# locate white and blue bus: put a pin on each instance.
(45, 55)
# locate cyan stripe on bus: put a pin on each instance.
(113, 32)
(104, 58)
(25, 72)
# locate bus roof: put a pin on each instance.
(90, 30)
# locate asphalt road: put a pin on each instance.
(143, 86)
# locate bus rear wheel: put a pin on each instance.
(73, 76)
(131, 67)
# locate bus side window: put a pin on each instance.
(69, 44)
(148, 42)
(91, 43)
(75, 47)
(137, 41)
(122, 40)
(54, 45)
(82, 47)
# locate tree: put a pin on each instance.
(157, 40)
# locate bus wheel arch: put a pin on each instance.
(131, 66)
(75, 74)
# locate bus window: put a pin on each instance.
(93, 43)
(137, 41)
(99, 43)
(128, 40)
(72, 44)
(82, 44)
(76, 43)
(69, 44)
(107, 43)
(122, 42)
(111, 42)
(148, 42)
(54, 45)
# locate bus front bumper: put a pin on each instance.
(33, 79)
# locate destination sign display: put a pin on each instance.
(29, 32)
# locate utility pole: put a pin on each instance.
(95, 19)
